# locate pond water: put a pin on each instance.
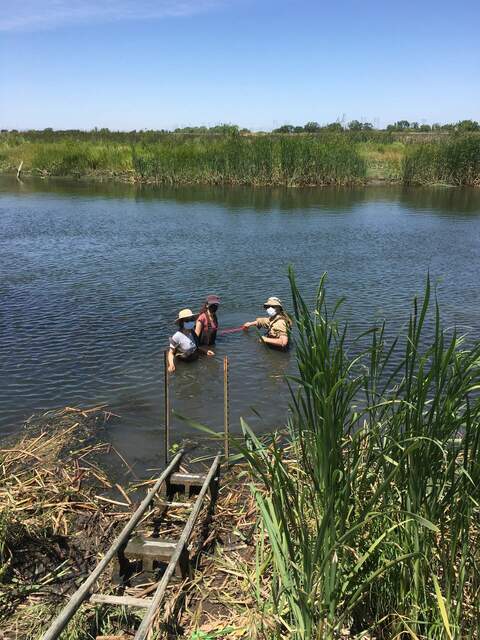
(92, 276)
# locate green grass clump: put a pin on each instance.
(74, 158)
(384, 161)
(250, 160)
(370, 510)
(455, 161)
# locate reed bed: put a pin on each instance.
(269, 159)
(368, 509)
(266, 160)
(233, 159)
(455, 161)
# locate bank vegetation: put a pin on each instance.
(324, 158)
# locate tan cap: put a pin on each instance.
(273, 301)
(186, 314)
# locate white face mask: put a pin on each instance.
(271, 312)
(189, 325)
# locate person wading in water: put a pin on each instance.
(277, 323)
(184, 342)
(206, 326)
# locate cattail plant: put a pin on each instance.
(369, 505)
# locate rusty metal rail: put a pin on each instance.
(159, 594)
(177, 552)
(83, 592)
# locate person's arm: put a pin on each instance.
(259, 322)
(281, 341)
(198, 327)
(171, 360)
(205, 350)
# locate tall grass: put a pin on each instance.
(172, 159)
(268, 159)
(455, 161)
(256, 160)
(371, 506)
(79, 158)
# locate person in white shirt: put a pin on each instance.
(184, 342)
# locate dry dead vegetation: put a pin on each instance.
(60, 510)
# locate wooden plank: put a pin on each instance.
(159, 594)
(127, 601)
(150, 547)
(61, 621)
(174, 505)
(195, 479)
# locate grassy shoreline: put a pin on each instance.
(267, 160)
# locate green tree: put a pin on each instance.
(285, 128)
(355, 125)
(311, 127)
(334, 126)
(468, 125)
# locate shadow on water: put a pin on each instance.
(441, 199)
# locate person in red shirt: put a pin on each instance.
(206, 326)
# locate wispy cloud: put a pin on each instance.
(33, 15)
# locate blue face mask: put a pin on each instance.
(189, 325)
(271, 312)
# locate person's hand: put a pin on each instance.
(171, 368)
(210, 352)
(247, 325)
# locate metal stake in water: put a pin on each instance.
(166, 442)
(226, 408)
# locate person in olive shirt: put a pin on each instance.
(277, 324)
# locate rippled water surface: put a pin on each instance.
(92, 277)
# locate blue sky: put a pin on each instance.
(134, 64)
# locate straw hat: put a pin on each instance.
(186, 314)
(273, 301)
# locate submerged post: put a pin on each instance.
(167, 408)
(226, 409)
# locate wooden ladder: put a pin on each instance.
(147, 550)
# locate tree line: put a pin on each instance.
(157, 135)
(466, 126)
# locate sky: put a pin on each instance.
(152, 64)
